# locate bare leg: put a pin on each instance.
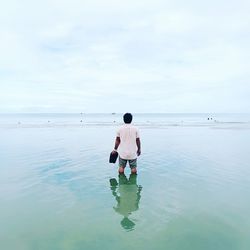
(133, 171)
(121, 170)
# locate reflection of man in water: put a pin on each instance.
(128, 198)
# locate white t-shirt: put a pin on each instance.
(128, 148)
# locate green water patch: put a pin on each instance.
(200, 232)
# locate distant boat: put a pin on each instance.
(113, 113)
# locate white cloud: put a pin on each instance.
(148, 55)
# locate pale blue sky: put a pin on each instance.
(117, 56)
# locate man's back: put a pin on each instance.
(128, 135)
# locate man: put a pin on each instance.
(128, 141)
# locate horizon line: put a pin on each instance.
(114, 113)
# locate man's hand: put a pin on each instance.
(113, 152)
(138, 152)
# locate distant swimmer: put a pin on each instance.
(127, 144)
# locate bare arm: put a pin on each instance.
(138, 143)
(117, 143)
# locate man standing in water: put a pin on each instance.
(128, 141)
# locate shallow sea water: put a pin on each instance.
(58, 191)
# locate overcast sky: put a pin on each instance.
(117, 56)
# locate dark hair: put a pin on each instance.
(127, 118)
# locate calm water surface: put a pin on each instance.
(58, 191)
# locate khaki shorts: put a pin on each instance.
(123, 163)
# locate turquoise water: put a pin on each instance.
(58, 191)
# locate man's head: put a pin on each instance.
(127, 118)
